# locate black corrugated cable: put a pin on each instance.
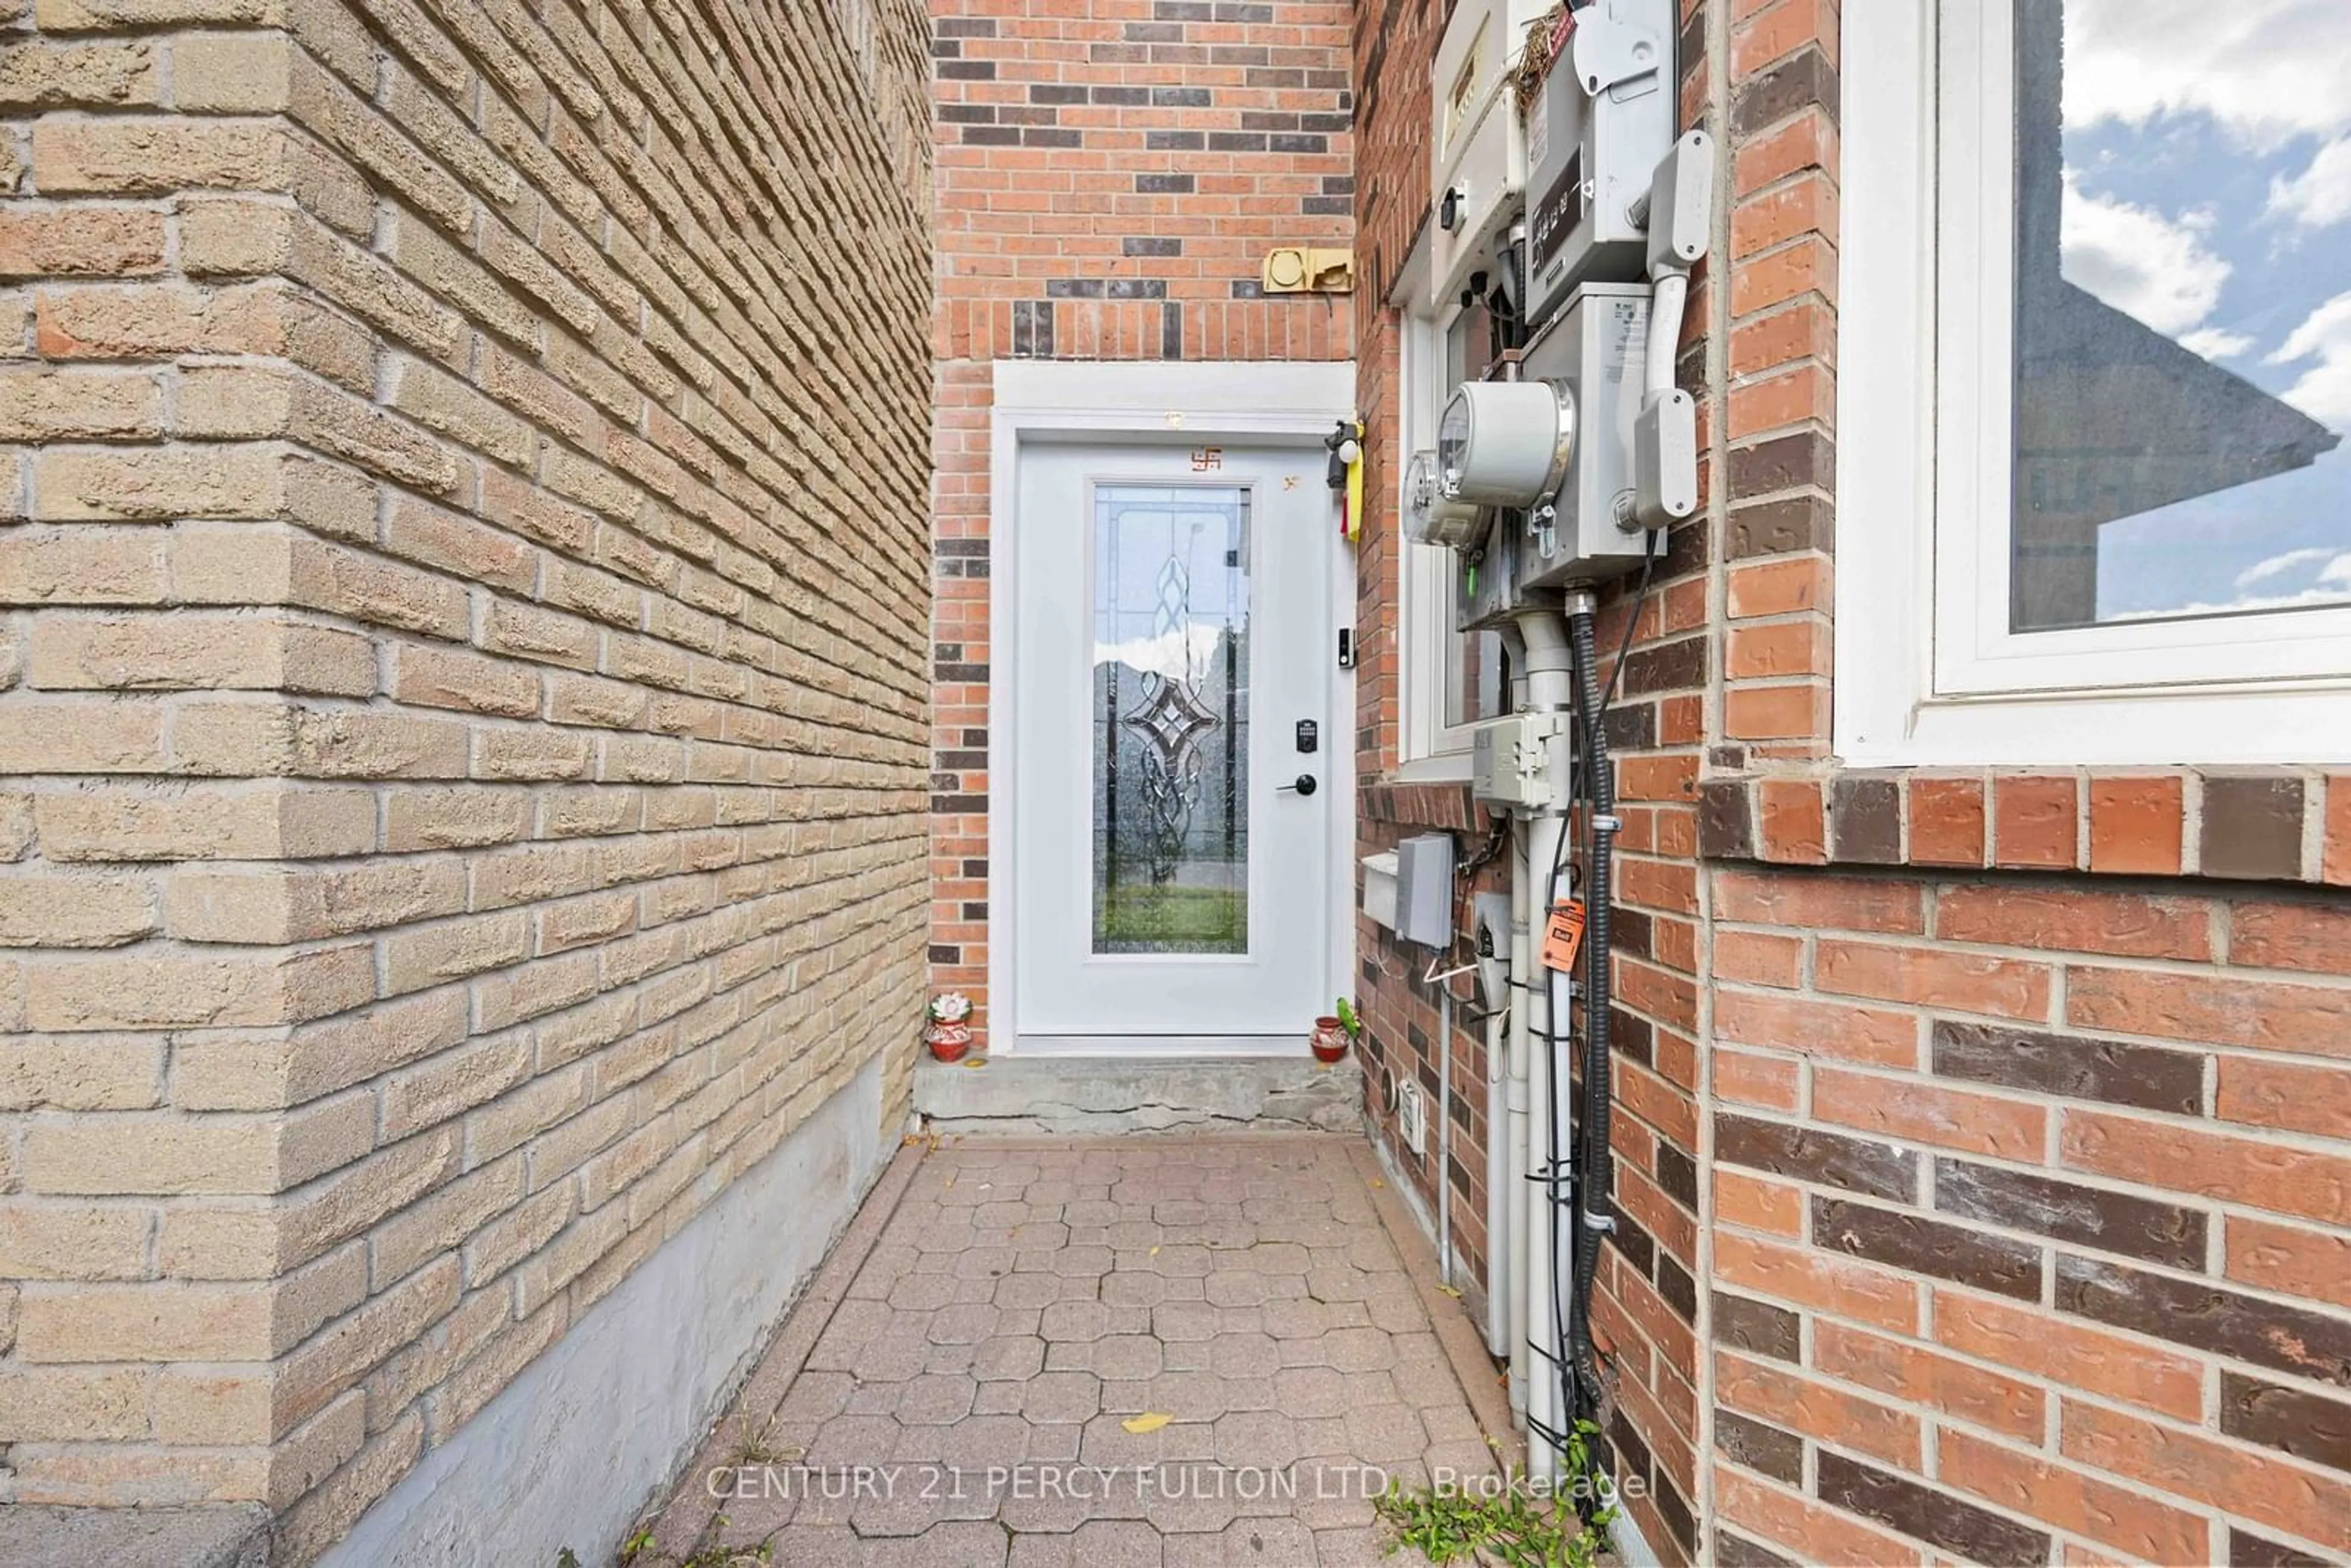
(1596, 1178)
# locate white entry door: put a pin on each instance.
(1172, 748)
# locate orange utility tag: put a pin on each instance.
(1563, 935)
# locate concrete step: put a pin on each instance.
(1094, 1094)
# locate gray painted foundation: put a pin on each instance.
(1094, 1094)
(570, 1453)
(232, 1535)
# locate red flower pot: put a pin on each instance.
(949, 1040)
(1329, 1039)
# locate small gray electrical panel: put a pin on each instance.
(1595, 131)
(1591, 351)
(1425, 890)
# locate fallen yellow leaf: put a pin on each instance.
(1149, 1421)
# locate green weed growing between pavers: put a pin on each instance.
(1515, 1527)
(637, 1545)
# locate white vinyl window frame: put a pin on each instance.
(1928, 671)
(1430, 749)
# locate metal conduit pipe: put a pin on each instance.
(1597, 1179)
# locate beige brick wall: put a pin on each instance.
(464, 591)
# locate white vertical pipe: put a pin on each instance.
(1498, 1181)
(1563, 1109)
(1522, 1101)
(1445, 1132)
(1550, 689)
(1542, 1377)
(1513, 1273)
(1667, 297)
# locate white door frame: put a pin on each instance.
(1171, 403)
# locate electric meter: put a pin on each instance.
(1431, 518)
(1589, 354)
(1505, 443)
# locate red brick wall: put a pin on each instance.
(2020, 1169)
(1111, 174)
(2030, 1192)
(2028, 1164)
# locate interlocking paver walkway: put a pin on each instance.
(965, 1399)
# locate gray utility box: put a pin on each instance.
(1595, 131)
(1425, 890)
(1593, 351)
(1519, 762)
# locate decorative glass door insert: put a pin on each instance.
(1171, 720)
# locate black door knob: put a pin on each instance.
(1305, 785)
